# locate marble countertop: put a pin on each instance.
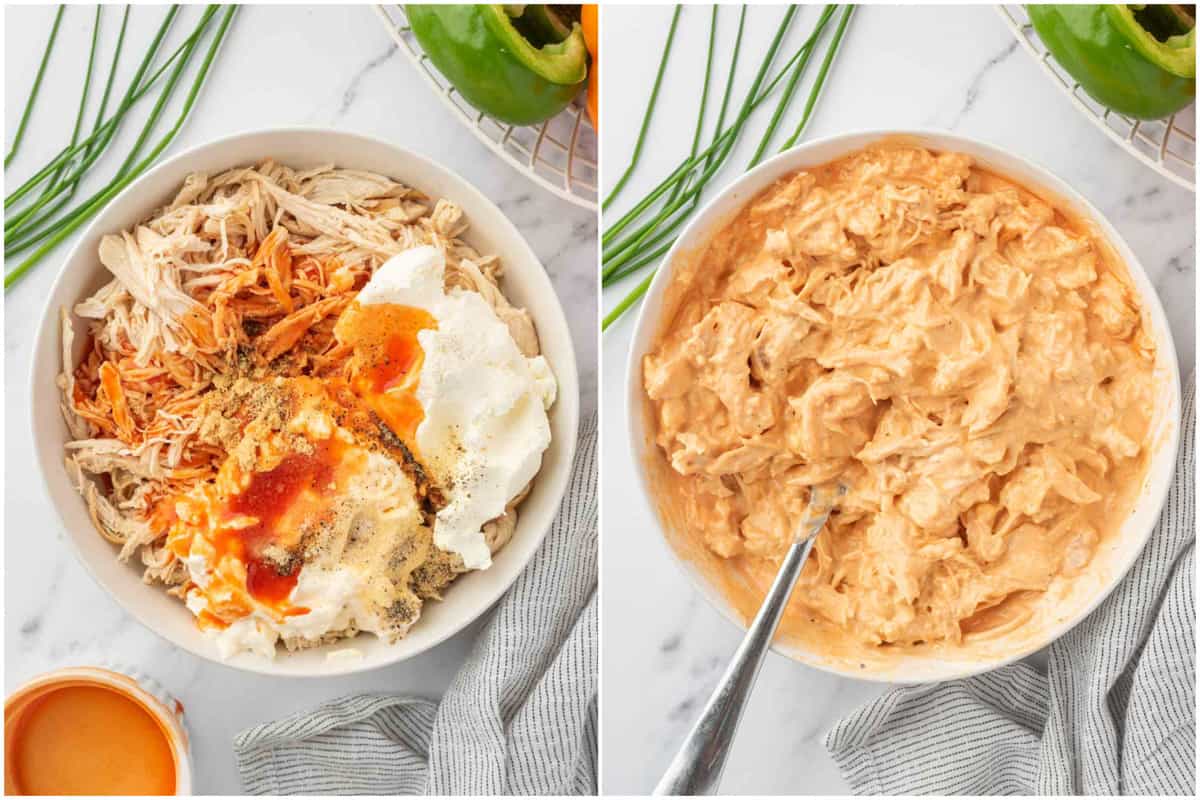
(955, 68)
(332, 66)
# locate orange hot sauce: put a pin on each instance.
(388, 358)
(78, 737)
(267, 498)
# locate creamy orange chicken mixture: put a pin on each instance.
(966, 359)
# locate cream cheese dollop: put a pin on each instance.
(485, 402)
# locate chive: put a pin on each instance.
(661, 235)
(26, 236)
(637, 148)
(77, 218)
(737, 48)
(624, 305)
(719, 141)
(789, 91)
(618, 267)
(54, 181)
(136, 90)
(820, 82)
(159, 107)
(112, 74)
(753, 98)
(719, 138)
(712, 35)
(719, 149)
(87, 82)
(628, 269)
(49, 225)
(722, 142)
(614, 273)
(37, 85)
(103, 136)
(747, 107)
(613, 270)
(108, 85)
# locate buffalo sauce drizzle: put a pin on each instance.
(267, 498)
(387, 362)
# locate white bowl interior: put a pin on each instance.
(525, 283)
(1065, 604)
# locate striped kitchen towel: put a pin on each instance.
(519, 718)
(1114, 713)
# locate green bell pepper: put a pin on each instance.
(1129, 58)
(539, 23)
(495, 68)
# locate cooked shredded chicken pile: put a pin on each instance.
(238, 281)
(967, 360)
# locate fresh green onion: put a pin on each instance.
(623, 258)
(100, 139)
(789, 91)
(821, 75)
(67, 225)
(37, 85)
(619, 264)
(617, 273)
(637, 148)
(712, 33)
(87, 85)
(727, 143)
(22, 233)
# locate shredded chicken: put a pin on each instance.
(968, 360)
(243, 272)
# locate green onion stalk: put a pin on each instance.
(42, 231)
(676, 196)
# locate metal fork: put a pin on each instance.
(697, 767)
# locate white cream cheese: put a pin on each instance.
(485, 425)
(332, 597)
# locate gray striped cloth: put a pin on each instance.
(519, 718)
(1114, 712)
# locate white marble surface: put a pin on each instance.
(956, 68)
(327, 66)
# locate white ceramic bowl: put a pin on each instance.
(1108, 566)
(525, 283)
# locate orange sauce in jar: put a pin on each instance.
(78, 737)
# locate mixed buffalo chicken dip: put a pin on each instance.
(303, 403)
(968, 361)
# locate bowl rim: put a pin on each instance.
(707, 221)
(554, 324)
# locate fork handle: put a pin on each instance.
(698, 765)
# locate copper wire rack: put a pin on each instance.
(1167, 146)
(559, 154)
